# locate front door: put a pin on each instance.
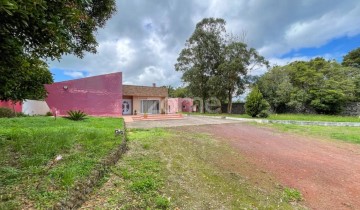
(126, 106)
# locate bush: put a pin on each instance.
(6, 112)
(256, 105)
(76, 115)
(49, 114)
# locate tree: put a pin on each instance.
(255, 104)
(201, 56)
(307, 86)
(49, 29)
(26, 81)
(352, 58)
(180, 92)
(231, 74)
(34, 30)
(276, 93)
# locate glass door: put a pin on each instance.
(150, 106)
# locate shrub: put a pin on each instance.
(76, 115)
(256, 105)
(49, 114)
(6, 112)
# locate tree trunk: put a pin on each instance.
(202, 106)
(229, 106)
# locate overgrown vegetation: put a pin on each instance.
(172, 169)
(6, 112)
(310, 86)
(30, 177)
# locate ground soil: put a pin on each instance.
(326, 172)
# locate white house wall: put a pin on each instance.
(34, 107)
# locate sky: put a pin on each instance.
(144, 38)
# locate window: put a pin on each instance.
(150, 106)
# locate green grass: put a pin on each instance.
(28, 146)
(348, 134)
(302, 117)
(169, 169)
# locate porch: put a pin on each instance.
(151, 117)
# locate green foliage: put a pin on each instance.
(180, 92)
(352, 58)
(49, 29)
(25, 80)
(202, 55)
(256, 105)
(49, 114)
(6, 112)
(215, 63)
(162, 203)
(31, 31)
(307, 86)
(76, 115)
(291, 195)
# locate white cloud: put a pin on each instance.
(144, 38)
(74, 74)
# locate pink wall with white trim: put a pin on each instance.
(97, 96)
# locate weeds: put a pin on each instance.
(29, 146)
(292, 195)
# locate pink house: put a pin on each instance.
(105, 95)
(180, 105)
(98, 95)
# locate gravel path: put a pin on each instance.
(186, 121)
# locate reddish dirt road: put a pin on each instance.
(326, 172)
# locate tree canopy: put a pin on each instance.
(34, 30)
(214, 63)
(51, 28)
(315, 85)
(26, 81)
(352, 58)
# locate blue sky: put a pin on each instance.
(334, 49)
(144, 38)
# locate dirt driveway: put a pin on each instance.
(327, 173)
(186, 121)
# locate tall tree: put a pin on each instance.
(230, 79)
(202, 55)
(352, 58)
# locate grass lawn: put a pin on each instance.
(174, 169)
(28, 146)
(302, 117)
(348, 134)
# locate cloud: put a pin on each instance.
(74, 74)
(144, 38)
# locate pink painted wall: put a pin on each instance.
(9, 104)
(98, 96)
(179, 105)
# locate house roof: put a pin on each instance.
(133, 90)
